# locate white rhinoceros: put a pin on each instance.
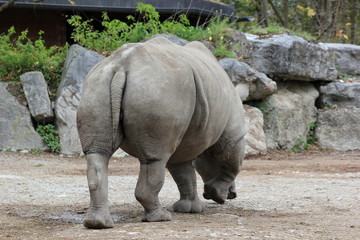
(171, 107)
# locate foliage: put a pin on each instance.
(310, 137)
(115, 33)
(264, 107)
(50, 137)
(324, 20)
(35, 151)
(272, 29)
(219, 30)
(19, 54)
(300, 145)
(305, 144)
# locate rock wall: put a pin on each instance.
(286, 83)
(339, 128)
(17, 131)
(294, 58)
(288, 114)
(78, 63)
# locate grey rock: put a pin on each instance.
(340, 94)
(37, 95)
(288, 114)
(255, 138)
(293, 58)
(78, 63)
(250, 84)
(120, 153)
(251, 37)
(17, 131)
(347, 57)
(339, 129)
(240, 46)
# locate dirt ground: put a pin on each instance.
(280, 196)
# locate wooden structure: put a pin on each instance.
(50, 15)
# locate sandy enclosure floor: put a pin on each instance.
(280, 196)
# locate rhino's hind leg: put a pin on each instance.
(219, 167)
(151, 179)
(98, 214)
(185, 178)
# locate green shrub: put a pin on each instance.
(19, 54)
(115, 33)
(300, 145)
(311, 139)
(50, 137)
(36, 151)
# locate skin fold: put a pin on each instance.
(171, 107)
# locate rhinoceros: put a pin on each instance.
(171, 107)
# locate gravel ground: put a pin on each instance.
(280, 196)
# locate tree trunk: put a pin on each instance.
(353, 15)
(263, 13)
(323, 23)
(277, 12)
(286, 12)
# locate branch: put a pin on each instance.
(6, 5)
(277, 12)
(332, 21)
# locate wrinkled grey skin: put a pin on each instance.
(171, 107)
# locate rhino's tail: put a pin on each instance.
(117, 91)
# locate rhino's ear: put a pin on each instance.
(117, 90)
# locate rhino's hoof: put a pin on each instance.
(214, 191)
(98, 221)
(231, 195)
(232, 192)
(188, 206)
(157, 215)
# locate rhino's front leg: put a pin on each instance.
(223, 159)
(185, 178)
(151, 179)
(98, 214)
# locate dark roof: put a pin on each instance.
(198, 7)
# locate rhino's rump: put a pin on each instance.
(177, 102)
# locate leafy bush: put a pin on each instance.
(116, 33)
(311, 139)
(20, 54)
(50, 137)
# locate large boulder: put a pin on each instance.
(340, 94)
(288, 114)
(347, 57)
(250, 84)
(339, 129)
(79, 61)
(240, 46)
(255, 137)
(17, 131)
(293, 58)
(37, 96)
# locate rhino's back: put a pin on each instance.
(177, 100)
